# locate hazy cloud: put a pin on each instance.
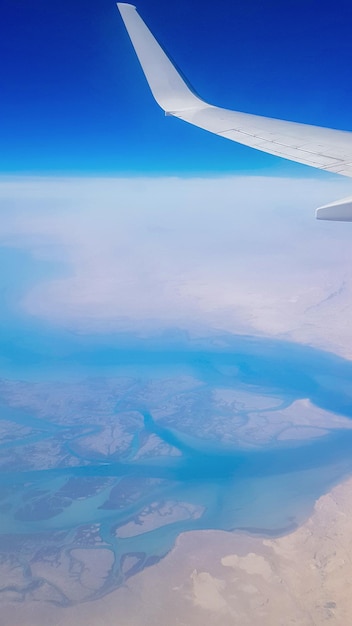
(241, 253)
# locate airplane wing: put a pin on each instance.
(323, 148)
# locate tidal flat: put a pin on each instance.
(152, 438)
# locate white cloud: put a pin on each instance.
(239, 253)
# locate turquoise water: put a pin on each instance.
(266, 489)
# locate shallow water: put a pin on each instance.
(60, 490)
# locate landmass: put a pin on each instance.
(80, 529)
(90, 477)
(223, 579)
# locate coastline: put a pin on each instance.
(302, 578)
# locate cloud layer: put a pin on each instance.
(243, 254)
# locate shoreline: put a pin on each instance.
(231, 579)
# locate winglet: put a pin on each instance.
(168, 88)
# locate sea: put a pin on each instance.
(58, 492)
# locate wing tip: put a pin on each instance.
(125, 4)
(169, 88)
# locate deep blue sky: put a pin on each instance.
(74, 100)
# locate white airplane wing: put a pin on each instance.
(324, 148)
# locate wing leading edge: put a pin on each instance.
(323, 148)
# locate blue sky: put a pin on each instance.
(74, 100)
